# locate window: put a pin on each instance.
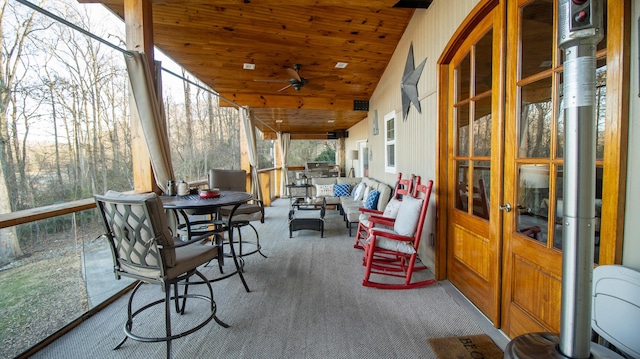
(390, 142)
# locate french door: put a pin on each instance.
(533, 183)
(505, 138)
(475, 110)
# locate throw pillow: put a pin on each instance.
(372, 200)
(324, 190)
(365, 195)
(342, 190)
(357, 192)
(408, 215)
(391, 210)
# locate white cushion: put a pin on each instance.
(391, 244)
(391, 210)
(324, 190)
(408, 214)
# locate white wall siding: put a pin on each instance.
(357, 133)
(429, 31)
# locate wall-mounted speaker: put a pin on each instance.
(414, 4)
(360, 105)
(337, 134)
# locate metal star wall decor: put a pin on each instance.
(409, 84)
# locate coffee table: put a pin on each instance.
(307, 215)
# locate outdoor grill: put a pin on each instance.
(317, 169)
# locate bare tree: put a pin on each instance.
(16, 28)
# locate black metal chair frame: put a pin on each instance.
(202, 228)
(237, 211)
(154, 253)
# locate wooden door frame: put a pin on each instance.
(617, 119)
(478, 14)
(617, 113)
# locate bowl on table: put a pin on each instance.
(209, 193)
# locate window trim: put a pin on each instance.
(390, 168)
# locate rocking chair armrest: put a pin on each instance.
(386, 221)
(389, 235)
(371, 211)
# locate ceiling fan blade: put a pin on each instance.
(284, 88)
(278, 81)
(314, 86)
(327, 77)
(294, 74)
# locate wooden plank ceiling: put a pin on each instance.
(214, 39)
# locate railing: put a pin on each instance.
(35, 214)
(63, 275)
(269, 183)
(62, 278)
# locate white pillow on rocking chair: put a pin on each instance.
(391, 210)
(408, 215)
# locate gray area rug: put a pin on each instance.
(306, 301)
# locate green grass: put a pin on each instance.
(39, 298)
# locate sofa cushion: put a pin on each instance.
(349, 203)
(353, 214)
(341, 190)
(408, 215)
(323, 180)
(352, 181)
(372, 200)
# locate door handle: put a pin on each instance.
(506, 207)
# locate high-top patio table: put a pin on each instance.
(192, 204)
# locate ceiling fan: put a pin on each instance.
(298, 82)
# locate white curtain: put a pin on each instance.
(250, 133)
(148, 101)
(284, 139)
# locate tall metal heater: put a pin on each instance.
(579, 31)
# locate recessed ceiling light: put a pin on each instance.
(341, 65)
(248, 66)
(331, 121)
(278, 121)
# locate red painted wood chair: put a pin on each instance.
(393, 252)
(387, 217)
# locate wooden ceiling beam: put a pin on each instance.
(297, 102)
(351, 3)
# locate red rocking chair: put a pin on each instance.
(403, 188)
(393, 252)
